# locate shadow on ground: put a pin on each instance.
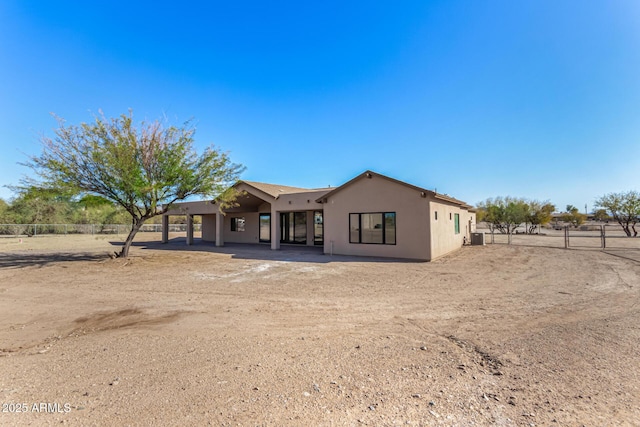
(632, 255)
(21, 259)
(291, 253)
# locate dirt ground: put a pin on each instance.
(490, 335)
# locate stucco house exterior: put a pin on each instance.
(370, 215)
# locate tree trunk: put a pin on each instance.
(135, 227)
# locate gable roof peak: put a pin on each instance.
(370, 174)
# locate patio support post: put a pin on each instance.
(310, 228)
(189, 229)
(165, 228)
(275, 229)
(219, 229)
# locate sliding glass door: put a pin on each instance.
(293, 227)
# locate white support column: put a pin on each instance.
(165, 228)
(189, 229)
(275, 228)
(219, 229)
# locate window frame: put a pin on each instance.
(456, 223)
(384, 228)
(235, 221)
(262, 215)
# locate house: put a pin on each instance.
(370, 215)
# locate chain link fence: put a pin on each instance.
(21, 230)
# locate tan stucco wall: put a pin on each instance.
(250, 235)
(299, 201)
(209, 228)
(443, 237)
(193, 208)
(264, 208)
(378, 195)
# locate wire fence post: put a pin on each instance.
(566, 237)
(604, 236)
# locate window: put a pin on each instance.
(457, 223)
(237, 224)
(265, 227)
(318, 228)
(436, 215)
(390, 228)
(373, 228)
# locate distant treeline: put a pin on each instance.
(35, 206)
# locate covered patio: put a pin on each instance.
(264, 214)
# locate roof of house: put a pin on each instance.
(275, 190)
(368, 174)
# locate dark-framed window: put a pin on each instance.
(237, 223)
(456, 218)
(373, 228)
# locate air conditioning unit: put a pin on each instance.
(477, 238)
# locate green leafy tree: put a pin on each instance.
(601, 215)
(144, 168)
(92, 209)
(538, 214)
(623, 208)
(504, 214)
(573, 216)
(3, 209)
(35, 205)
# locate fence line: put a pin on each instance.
(47, 229)
(592, 236)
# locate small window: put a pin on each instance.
(237, 224)
(457, 223)
(436, 215)
(450, 216)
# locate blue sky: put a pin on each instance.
(537, 99)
